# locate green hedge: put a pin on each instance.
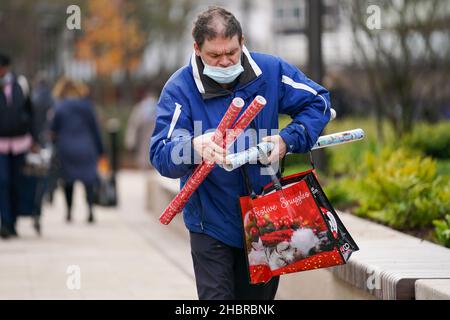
(432, 140)
(343, 159)
(401, 188)
(403, 183)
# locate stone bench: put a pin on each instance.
(160, 191)
(435, 289)
(389, 264)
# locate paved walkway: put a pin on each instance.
(127, 254)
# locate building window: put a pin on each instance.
(291, 16)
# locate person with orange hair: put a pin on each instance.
(77, 140)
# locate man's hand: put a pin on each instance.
(279, 149)
(209, 150)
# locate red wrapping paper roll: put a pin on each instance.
(204, 168)
(244, 120)
(178, 203)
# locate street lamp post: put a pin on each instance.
(315, 63)
(315, 8)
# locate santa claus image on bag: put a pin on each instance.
(301, 244)
(277, 238)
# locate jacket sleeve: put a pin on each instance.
(171, 151)
(307, 103)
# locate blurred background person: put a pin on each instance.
(43, 106)
(77, 140)
(42, 101)
(140, 126)
(40, 174)
(17, 137)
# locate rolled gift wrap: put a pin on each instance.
(244, 120)
(178, 203)
(252, 155)
(203, 169)
(339, 138)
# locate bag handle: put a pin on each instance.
(311, 159)
(273, 175)
(277, 185)
(247, 182)
(251, 192)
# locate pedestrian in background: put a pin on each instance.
(77, 140)
(140, 126)
(36, 171)
(42, 101)
(17, 137)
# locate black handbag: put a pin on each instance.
(105, 192)
(105, 189)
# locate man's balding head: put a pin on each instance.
(215, 22)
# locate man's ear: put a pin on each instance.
(242, 40)
(196, 49)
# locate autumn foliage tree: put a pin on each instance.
(111, 38)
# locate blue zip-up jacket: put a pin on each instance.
(190, 99)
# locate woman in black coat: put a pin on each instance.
(77, 139)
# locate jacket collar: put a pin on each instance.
(208, 88)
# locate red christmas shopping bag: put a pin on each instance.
(292, 227)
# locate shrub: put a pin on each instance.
(433, 140)
(395, 185)
(442, 231)
(443, 167)
(401, 189)
(339, 192)
(343, 159)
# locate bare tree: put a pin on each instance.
(166, 22)
(31, 30)
(406, 60)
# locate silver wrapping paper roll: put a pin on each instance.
(251, 155)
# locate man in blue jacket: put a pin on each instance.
(191, 105)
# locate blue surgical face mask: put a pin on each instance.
(223, 75)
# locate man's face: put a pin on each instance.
(220, 52)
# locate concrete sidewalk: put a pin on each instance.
(126, 254)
